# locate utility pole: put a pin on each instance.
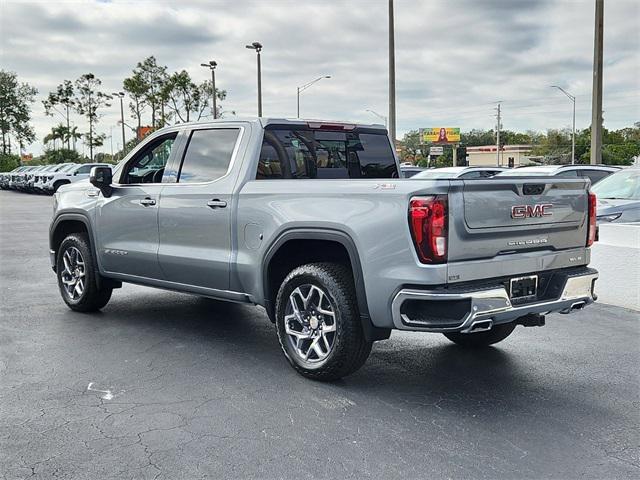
(212, 66)
(257, 46)
(596, 101)
(392, 76)
(498, 126)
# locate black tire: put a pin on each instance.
(482, 339)
(92, 297)
(350, 349)
(57, 185)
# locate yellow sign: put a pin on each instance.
(440, 135)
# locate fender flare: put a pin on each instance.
(76, 217)
(80, 217)
(371, 332)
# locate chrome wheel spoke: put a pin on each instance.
(329, 328)
(310, 323)
(73, 275)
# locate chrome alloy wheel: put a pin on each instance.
(310, 323)
(73, 275)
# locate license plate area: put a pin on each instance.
(523, 289)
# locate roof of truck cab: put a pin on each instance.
(264, 121)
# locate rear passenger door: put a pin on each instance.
(195, 212)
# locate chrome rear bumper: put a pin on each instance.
(491, 306)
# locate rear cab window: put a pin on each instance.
(299, 152)
(208, 155)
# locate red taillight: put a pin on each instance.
(428, 223)
(591, 235)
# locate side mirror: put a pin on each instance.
(102, 178)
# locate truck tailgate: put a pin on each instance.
(503, 216)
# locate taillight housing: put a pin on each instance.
(428, 221)
(592, 223)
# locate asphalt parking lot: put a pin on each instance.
(163, 385)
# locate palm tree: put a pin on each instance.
(50, 137)
(59, 132)
(74, 135)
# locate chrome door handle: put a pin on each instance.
(147, 202)
(216, 203)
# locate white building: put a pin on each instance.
(486, 155)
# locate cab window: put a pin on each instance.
(208, 155)
(149, 164)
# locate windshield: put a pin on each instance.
(623, 185)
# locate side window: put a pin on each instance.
(208, 155)
(305, 153)
(84, 169)
(568, 174)
(148, 165)
(594, 175)
(472, 175)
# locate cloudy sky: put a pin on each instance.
(455, 59)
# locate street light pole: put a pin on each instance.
(379, 116)
(121, 95)
(573, 128)
(257, 46)
(212, 66)
(304, 87)
(392, 76)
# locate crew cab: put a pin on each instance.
(310, 220)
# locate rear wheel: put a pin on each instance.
(78, 276)
(318, 322)
(482, 339)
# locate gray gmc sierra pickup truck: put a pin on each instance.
(310, 220)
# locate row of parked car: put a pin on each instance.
(617, 188)
(45, 178)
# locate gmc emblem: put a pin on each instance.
(531, 211)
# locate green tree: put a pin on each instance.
(137, 89)
(411, 148)
(59, 132)
(74, 136)
(62, 155)
(15, 111)
(88, 101)
(477, 138)
(63, 96)
(153, 77)
(8, 162)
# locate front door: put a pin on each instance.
(195, 212)
(127, 221)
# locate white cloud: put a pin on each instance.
(455, 58)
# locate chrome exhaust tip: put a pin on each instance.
(479, 326)
(574, 306)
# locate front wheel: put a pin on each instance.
(318, 322)
(482, 339)
(78, 276)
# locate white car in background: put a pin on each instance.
(70, 175)
(42, 176)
